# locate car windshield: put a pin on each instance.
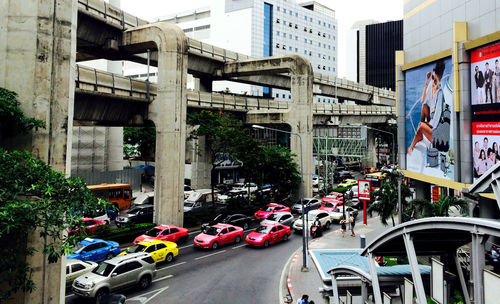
(136, 248)
(104, 269)
(134, 211)
(153, 232)
(212, 231)
(263, 229)
(268, 208)
(329, 205)
(188, 204)
(309, 217)
(332, 196)
(79, 247)
(220, 218)
(273, 217)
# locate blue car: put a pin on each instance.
(95, 250)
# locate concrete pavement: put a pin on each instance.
(294, 282)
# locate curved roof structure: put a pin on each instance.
(432, 235)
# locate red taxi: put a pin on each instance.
(219, 234)
(332, 197)
(89, 225)
(168, 233)
(267, 234)
(329, 206)
(264, 212)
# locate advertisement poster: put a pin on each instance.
(429, 119)
(364, 190)
(485, 100)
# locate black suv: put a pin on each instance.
(138, 214)
(341, 175)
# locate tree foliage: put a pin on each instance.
(385, 200)
(420, 208)
(33, 197)
(261, 165)
(139, 141)
(12, 119)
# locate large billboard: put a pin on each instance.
(485, 100)
(429, 119)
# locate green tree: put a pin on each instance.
(35, 198)
(385, 200)
(12, 119)
(280, 170)
(143, 139)
(420, 208)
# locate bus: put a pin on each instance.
(376, 179)
(118, 194)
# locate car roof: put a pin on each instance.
(222, 226)
(149, 242)
(270, 223)
(88, 241)
(73, 261)
(282, 212)
(274, 205)
(316, 211)
(122, 258)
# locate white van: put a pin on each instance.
(200, 200)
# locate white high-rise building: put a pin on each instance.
(263, 28)
(356, 51)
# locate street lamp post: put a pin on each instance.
(393, 143)
(304, 228)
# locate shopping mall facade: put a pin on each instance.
(448, 93)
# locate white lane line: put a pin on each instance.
(171, 266)
(164, 278)
(193, 232)
(142, 297)
(186, 246)
(159, 291)
(236, 247)
(208, 255)
(70, 295)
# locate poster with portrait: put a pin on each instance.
(485, 104)
(430, 119)
(364, 188)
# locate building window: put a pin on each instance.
(305, 18)
(319, 33)
(284, 10)
(319, 55)
(333, 69)
(324, 23)
(319, 22)
(305, 52)
(328, 69)
(290, 36)
(311, 19)
(297, 38)
(277, 95)
(296, 50)
(319, 44)
(334, 27)
(296, 14)
(289, 96)
(328, 57)
(284, 96)
(329, 36)
(329, 25)
(305, 40)
(278, 33)
(290, 48)
(333, 58)
(333, 37)
(268, 30)
(277, 20)
(278, 8)
(324, 45)
(310, 41)
(277, 45)
(284, 35)
(291, 13)
(329, 47)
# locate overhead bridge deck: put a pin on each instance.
(124, 98)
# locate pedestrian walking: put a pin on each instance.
(495, 257)
(342, 225)
(352, 220)
(303, 300)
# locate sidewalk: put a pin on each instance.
(294, 283)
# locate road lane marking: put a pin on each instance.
(193, 232)
(70, 295)
(167, 267)
(164, 278)
(186, 246)
(209, 255)
(142, 299)
(236, 247)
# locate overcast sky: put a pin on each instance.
(347, 12)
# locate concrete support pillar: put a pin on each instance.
(364, 291)
(199, 159)
(37, 56)
(301, 119)
(415, 270)
(401, 109)
(114, 149)
(168, 112)
(477, 265)
(371, 147)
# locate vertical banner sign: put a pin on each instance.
(429, 119)
(364, 190)
(437, 281)
(485, 105)
(408, 289)
(491, 282)
(435, 192)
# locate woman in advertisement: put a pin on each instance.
(482, 164)
(431, 108)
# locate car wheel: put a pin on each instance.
(285, 237)
(327, 226)
(266, 243)
(245, 226)
(182, 239)
(238, 239)
(144, 282)
(109, 256)
(100, 293)
(169, 258)
(215, 245)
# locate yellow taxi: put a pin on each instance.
(160, 250)
(348, 183)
